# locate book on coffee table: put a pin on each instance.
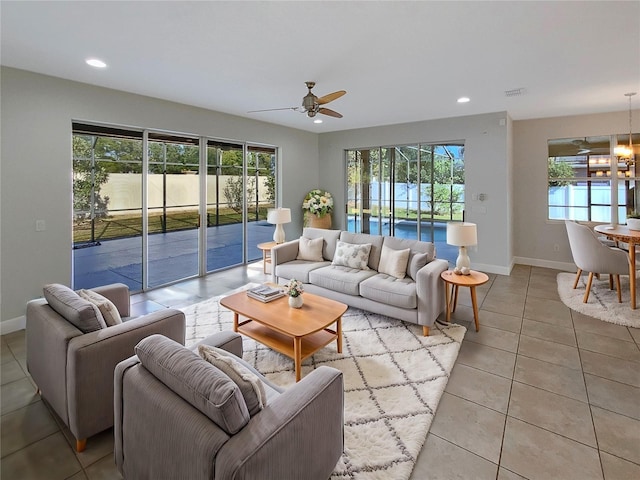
(265, 293)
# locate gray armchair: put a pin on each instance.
(74, 370)
(178, 416)
(591, 255)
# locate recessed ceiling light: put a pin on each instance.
(317, 120)
(94, 62)
(464, 100)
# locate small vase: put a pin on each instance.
(296, 302)
(633, 223)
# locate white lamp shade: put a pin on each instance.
(462, 234)
(278, 216)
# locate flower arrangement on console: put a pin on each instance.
(294, 288)
(318, 203)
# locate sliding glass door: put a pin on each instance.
(173, 219)
(409, 191)
(140, 218)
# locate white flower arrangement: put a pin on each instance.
(318, 203)
(294, 288)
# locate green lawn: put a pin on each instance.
(122, 226)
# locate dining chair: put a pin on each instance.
(590, 255)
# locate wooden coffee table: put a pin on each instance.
(295, 332)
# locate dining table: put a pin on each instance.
(622, 233)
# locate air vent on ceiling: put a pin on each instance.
(515, 92)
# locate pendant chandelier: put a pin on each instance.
(625, 151)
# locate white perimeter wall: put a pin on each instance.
(36, 117)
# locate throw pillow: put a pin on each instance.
(416, 262)
(250, 385)
(394, 262)
(310, 249)
(85, 316)
(107, 308)
(352, 255)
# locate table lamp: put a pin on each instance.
(278, 216)
(462, 235)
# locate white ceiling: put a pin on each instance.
(398, 61)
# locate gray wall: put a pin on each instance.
(538, 241)
(487, 170)
(37, 112)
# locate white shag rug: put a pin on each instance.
(603, 302)
(393, 380)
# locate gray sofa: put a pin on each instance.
(74, 370)
(418, 298)
(179, 417)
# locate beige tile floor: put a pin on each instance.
(540, 392)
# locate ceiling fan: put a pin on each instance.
(311, 104)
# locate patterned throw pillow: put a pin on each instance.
(250, 385)
(107, 308)
(352, 255)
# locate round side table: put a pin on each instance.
(472, 280)
(266, 254)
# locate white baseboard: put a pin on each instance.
(13, 325)
(536, 262)
(499, 270)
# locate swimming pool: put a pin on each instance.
(409, 229)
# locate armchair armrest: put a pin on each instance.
(430, 291)
(91, 361)
(285, 252)
(299, 435)
(118, 293)
(228, 341)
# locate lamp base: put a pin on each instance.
(278, 235)
(463, 262)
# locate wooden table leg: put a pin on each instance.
(339, 333)
(474, 302)
(455, 298)
(447, 299)
(632, 274)
(235, 322)
(264, 262)
(297, 353)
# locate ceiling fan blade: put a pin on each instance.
(274, 109)
(330, 97)
(331, 113)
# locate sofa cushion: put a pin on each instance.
(195, 380)
(416, 259)
(362, 238)
(390, 290)
(84, 315)
(250, 385)
(330, 238)
(394, 262)
(416, 262)
(310, 249)
(352, 255)
(339, 278)
(298, 269)
(107, 307)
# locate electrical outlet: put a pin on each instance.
(41, 226)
